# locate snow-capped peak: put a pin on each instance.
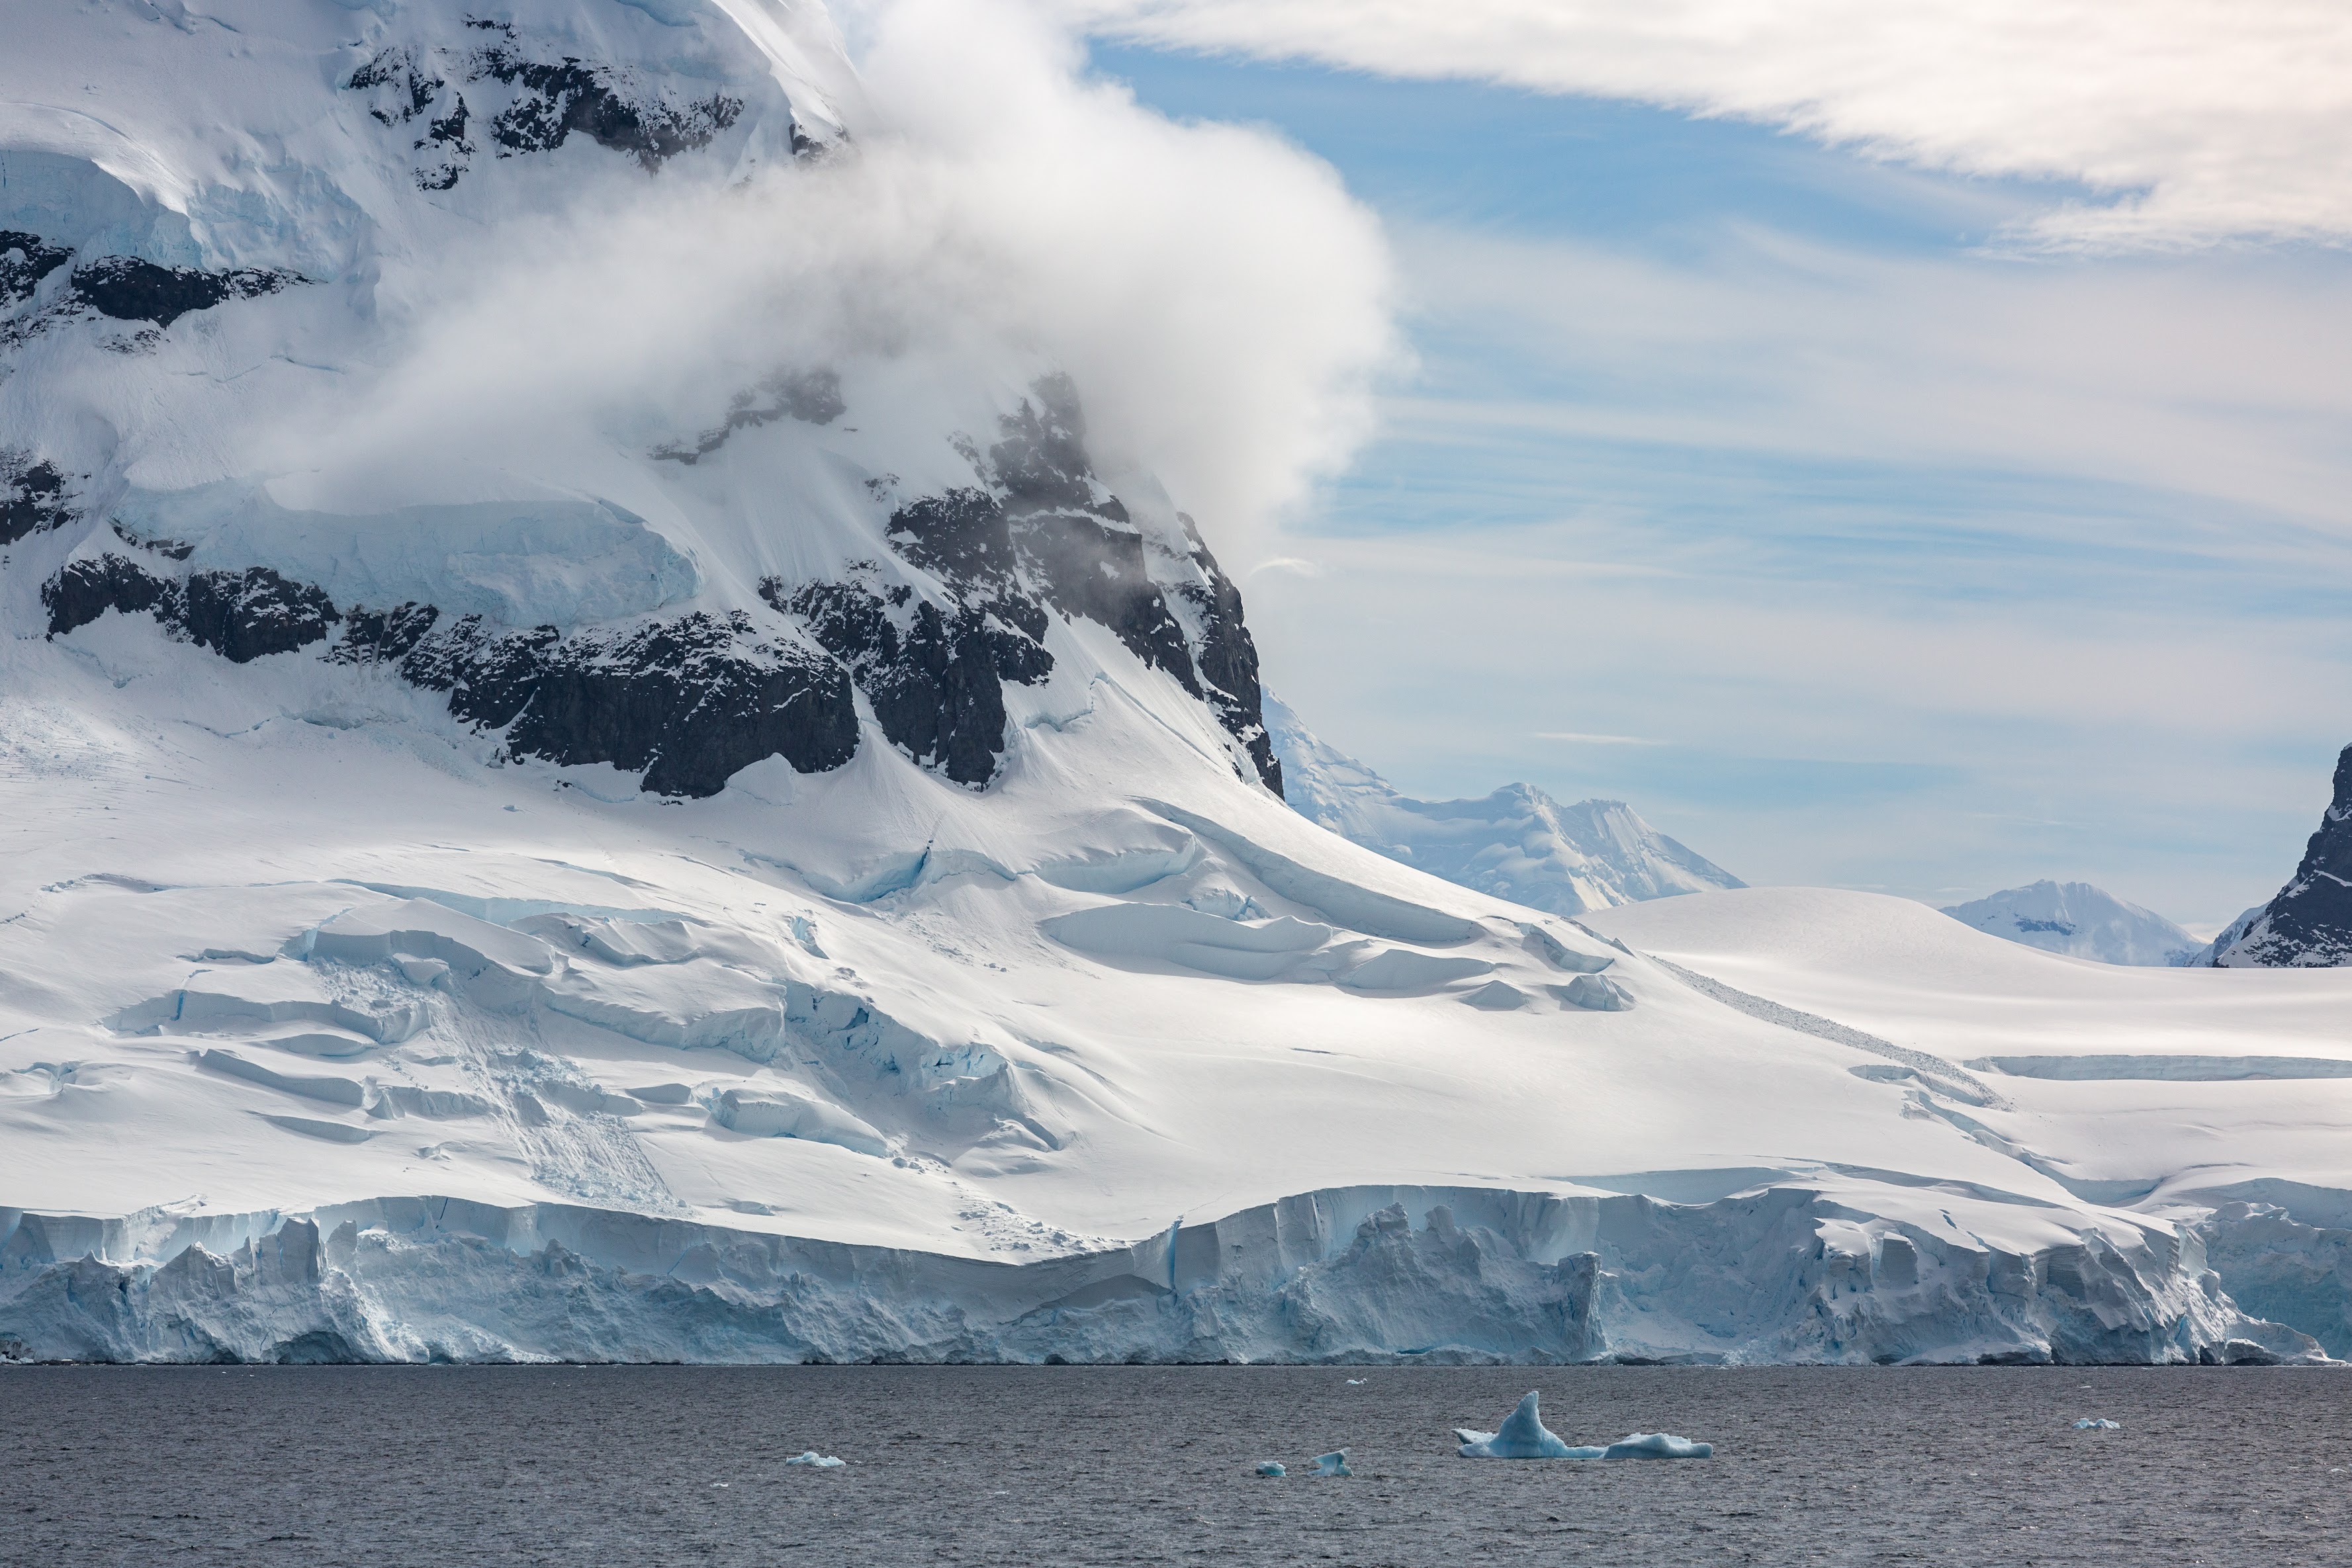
(2081, 921)
(1517, 843)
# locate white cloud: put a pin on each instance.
(2218, 377)
(2196, 121)
(1220, 301)
(1570, 735)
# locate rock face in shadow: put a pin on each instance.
(525, 102)
(25, 260)
(2309, 924)
(125, 289)
(241, 616)
(33, 495)
(689, 701)
(1042, 534)
(934, 676)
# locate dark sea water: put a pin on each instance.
(658, 1466)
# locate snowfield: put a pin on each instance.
(791, 867)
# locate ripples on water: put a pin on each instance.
(645, 1465)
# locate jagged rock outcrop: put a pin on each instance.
(25, 260)
(242, 616)
(689, 702)
(2309, 925)
(34, 494)
(524, 102)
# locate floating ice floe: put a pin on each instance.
(1334, 1463)
(1272, 1470)
(2097, 1424)
(1525, 1436)
(1657, 1446)
(1355, 1383)
(822, 1461)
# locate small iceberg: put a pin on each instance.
(1272, 1470)
(1657, 1446)
(1525, 1436)
(2097, 1424)
(1334, 1463)
(822, 1461)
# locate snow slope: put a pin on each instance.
(2080, 920)
(1517, 843)
(786, 862)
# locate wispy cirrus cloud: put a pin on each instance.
(2196, 121)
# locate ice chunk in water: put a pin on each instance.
(1334, 1463)
(2097, 1424)
(1272, 1470)
(1657, 1446)
(1523, 1436)
(822, 1461)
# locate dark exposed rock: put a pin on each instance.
(1092, 569)
(33, 496)
(383, 636)
(129, 289)
(1085, 553)
(408, 89)
(690, 702)
(24, 262)
(936, 683)
(811, 395)
(1044, 535)
(2309, 924)
(243, 615)
(240, 615)
(85, 590)
(170, 550)
(552, 100)
(1228, 659)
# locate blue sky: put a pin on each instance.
(1771, 488)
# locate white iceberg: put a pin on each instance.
(2097, 1424)
(1525, 1436)
(1657, 1446)
(1272, 1470)
(820, 1461)
(1334, 1463)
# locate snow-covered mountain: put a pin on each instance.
(2309, 924)
(1517, 843)
(2080, 920)
(584, 775)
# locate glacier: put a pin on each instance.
(793, 863)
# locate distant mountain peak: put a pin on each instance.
(1517, 843)
(2080, 920)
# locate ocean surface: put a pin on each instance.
(650, 1466)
